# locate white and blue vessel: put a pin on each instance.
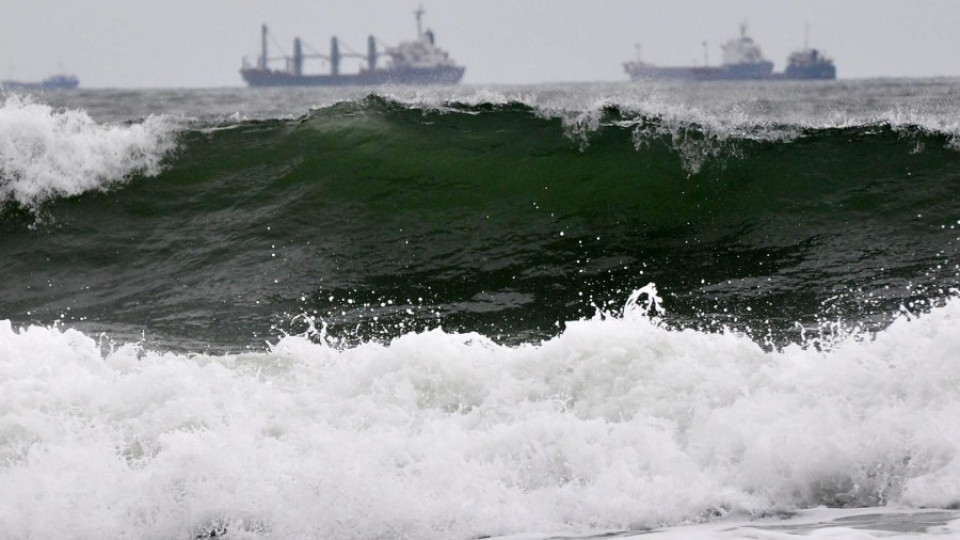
(54, 82)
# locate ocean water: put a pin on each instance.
(719, 310)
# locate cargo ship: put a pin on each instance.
(54, 82)
(742, 60)
(415, 62)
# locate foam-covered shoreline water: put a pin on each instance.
(618, 423)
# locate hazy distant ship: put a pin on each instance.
(416, 62)
(55, 82)
(742, 60)
(809, 63)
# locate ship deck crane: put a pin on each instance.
(294, 63)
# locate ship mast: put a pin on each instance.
(419, 13)
(263, 46)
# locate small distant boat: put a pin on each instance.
(54, 82)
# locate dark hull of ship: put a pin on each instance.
(748, 72)
(45, 85)
(822, 71)
(424, 76)
(751, 72)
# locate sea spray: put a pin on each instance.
(47, 153)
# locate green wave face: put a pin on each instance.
(380, 218)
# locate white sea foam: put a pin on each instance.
(47, 153)
(617, 423)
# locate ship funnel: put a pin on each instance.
(297, 58)
(263, 47)
(430, 36)
(334, 56)
(372, 53)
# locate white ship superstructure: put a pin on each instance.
(421, 53)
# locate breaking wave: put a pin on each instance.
(381, 218)
(47, 153)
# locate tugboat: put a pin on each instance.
(54, 82)
(809, 63)
(742, 60)
(416, 62)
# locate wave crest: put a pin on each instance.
(47, 153)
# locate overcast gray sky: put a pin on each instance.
(200, 43)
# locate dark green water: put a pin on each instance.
(381, 218)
